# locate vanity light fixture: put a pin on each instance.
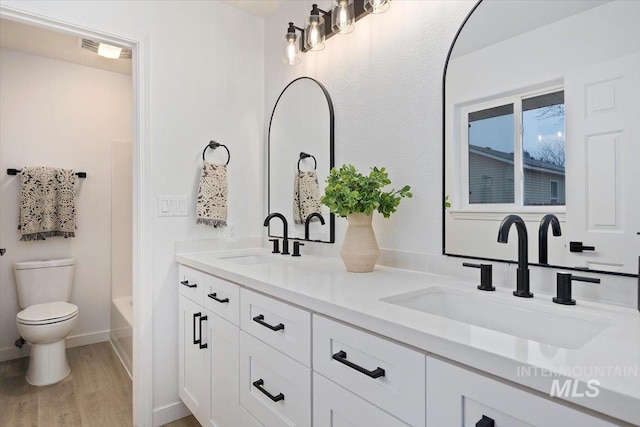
(314, 30)
(376, 6)
(292, 55)
(343, 17)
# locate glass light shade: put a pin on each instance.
(314, 33)
(292, 54)
(343, 17)
(108, 51)
(376, 6)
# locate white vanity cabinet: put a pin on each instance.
(209, 351)
(275, 360)
(334, 406)
(388, 375)
(459, 397)
(193, 360)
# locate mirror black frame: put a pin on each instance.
(444, 175)
(332, 219)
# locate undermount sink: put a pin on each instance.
(249, 259)
(536, 325)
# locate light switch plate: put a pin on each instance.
(173, 206)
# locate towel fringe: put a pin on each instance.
(215, 223)
(43, 235)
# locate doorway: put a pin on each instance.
(141, 253)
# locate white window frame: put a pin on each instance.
(463, 174)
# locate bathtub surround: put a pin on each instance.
(63, 115)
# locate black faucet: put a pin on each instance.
(543, 257)
(285, 239)
(522, 278)
(308, 221)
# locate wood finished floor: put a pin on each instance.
(97, 393)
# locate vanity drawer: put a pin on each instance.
(384, 373)
(222, 298)
(190, 283)
(334, 406)
(274, 388)
(282, 326)
(456, 396)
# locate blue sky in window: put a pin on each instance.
(497, 132)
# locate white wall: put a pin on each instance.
(206, 82)
(385, 80)
(56, 113)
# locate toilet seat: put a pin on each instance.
(46, 314)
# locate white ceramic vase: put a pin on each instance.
(360, 250)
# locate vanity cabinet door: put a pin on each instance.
(274, 388)
(222, 339)
(281, 325)
(386, 374)
(190, 283)
(456, 396)
(193, 361)
(333, 406)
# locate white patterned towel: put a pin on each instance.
(306, 196)
(211, 207)
(47, 203)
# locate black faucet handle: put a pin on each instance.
(296, 248)
(486, 275)
(276, 246)
(579, 247)
(563, 287)
(285, 246)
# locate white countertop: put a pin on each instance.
(322, 285)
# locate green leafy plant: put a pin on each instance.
(348, 191)
(447, 203)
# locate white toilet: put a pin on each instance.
(44, 291)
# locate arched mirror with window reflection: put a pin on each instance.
(541, 116)
(301, 137)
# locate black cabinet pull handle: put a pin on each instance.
(214, 296)
(200, 340)
(485, 422)
(260, 319)
(341, 357)
(195, 316)
(186, 283)
(259, 383)
(579, 247)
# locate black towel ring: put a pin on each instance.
(213, 145)
(306, 156)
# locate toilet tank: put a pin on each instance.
(39, 282)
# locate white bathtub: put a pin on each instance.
(122, 330)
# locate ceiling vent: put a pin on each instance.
(93, 47)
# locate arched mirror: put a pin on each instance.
(541, 117)
(300, 158)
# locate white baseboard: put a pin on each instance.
(169, 413)
(10, 353)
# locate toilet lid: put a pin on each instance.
(51, 312)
